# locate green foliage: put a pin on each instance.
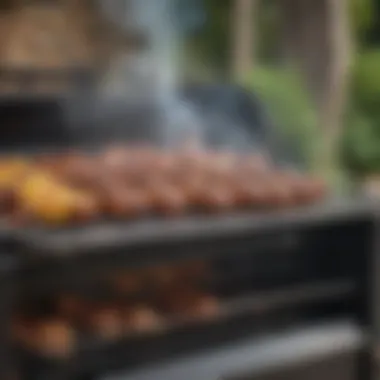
(269, 29)
(211, 44)
(362, 14)
(361, 141)
(286, 99)
(289, 105)
(361, 149)
(366, 80)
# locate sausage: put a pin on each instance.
(115, 156)
(12, 172)
(78, 170)
(56, 337)
(267, 190)
(87, 207)
(8, 200)
(319, 189)
(141, 319)
(250, 192)
(105, 321)
(120, 161)
(119, 200)
(206, 306)
(191, 304)
(306, 190)
(281, 194)
(311, 190)
(282, 190)
(218, 164)
(143, 158)
(253, 164)
(217, 199)
(207, 193)
(167, 199)
(51, 337)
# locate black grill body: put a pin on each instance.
(297, 286)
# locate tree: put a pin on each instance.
(243, 37)
(317, 40)
(336, 85)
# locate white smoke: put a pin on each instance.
(151, 76)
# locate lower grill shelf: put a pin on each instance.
(246, 315)
(303, 353)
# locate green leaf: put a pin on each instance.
(289, 105)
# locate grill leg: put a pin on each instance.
(7, 287)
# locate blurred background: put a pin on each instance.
(313, 63)
(167, 179)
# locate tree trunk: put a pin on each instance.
(243, 37)
(305, 41)
(317, 40)
(336, 85)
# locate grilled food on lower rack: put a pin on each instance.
(158, 278)
(191, 304)
(119, 305)
(59, 336)
(141, 318)
(129, 182)
(104, 321)
(53, 337)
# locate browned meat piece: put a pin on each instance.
(207, 193)
(132, 181)
(87, 208)
(119, 161)
(191, 304)
(313, 190)
(217, 199)
(12, 172)
(306, 190)
(167, 199)
(130, 163)
(8, 200)
(55, 337)
(250, 192)
(120, 200)
(254, 164)
(51, 337)
(105, 321)
(280, 190)
(80, 170)
(141, 319)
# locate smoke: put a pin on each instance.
(151, 75)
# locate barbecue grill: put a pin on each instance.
(244, 294)
(298, 277)
(293, 287)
